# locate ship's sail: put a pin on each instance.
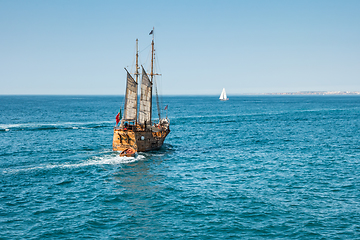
(130, 110)
(223, 95)
(145, 99)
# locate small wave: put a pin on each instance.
(46, 211)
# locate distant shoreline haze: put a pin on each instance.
(315, 93)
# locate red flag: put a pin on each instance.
(117, 118)
(166, 107)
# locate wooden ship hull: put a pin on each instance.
(140, 140)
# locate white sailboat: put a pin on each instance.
(223, 96)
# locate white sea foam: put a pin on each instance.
(101, 160)
(73, 125)
(105, 160)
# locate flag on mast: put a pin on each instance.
(118, 117)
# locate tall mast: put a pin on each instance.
(137, 75)
(152, 56)
(152, 74)
(152, 70)
(137, 61)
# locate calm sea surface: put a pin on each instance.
(266, 167)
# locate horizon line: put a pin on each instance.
(321, 93)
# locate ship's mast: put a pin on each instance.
(152, 71)
(137, 75)
(152, 74)
(152, 56)
(137, 61)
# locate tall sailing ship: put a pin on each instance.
(136, 130)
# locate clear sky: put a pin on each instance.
(82, 47)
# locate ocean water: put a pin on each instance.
(254, 167)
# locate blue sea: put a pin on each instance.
(253, 167)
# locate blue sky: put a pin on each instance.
(82, 47)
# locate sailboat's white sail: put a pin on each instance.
(223, 95)
(145, 99)
(130, 110)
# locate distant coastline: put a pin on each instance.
(315, 93)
